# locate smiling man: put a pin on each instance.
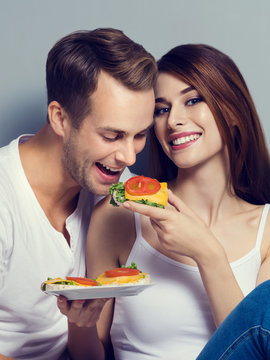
(100, 106)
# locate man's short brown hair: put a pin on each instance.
(75, 61)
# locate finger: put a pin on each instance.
(91, 313)
(177, 203)
(62, 304)
(151, 211)
(155, 224)
(75, 310)
(95, 307)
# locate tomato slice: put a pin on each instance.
(142, 185)
(121, 272)
(83, 281)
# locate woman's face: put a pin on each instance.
(184, 124)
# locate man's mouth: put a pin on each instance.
(108, 170)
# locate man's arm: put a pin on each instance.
(83, 339)
(109, 230)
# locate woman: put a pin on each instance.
(210, 247)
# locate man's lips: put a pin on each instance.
(108, 170)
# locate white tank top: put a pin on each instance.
(172, 320)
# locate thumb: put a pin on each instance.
(175, 201)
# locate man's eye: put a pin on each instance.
(140, 136)
(109, 138)
(194, 101)
(161, 111)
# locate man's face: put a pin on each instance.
(109, 138)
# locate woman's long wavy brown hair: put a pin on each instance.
(218, 80)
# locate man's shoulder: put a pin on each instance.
(8, 167)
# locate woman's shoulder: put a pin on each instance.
(114, 220)
(105, 209)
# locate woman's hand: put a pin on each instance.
(178, 228)
(82, 313)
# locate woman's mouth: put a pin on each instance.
(182, 142)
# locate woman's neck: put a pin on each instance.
(207, 191)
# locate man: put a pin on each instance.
(100, 106)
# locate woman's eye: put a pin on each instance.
(161, 111)
(194, 101)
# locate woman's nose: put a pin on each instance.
(176, 118)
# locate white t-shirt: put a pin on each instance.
(31, 326)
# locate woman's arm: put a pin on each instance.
(181, 232)
(265, 249)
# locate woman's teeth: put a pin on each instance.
(185, 139)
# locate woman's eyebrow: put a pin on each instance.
(161, 100)
(182, 92)
(187, 89)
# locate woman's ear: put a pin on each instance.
(58, 118)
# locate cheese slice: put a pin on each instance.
(59, 280)
(160, 197)
(106, 280)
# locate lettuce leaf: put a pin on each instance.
(117, 191)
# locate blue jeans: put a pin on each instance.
(245, 333)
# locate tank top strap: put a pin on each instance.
(262, 225)
(138, 226)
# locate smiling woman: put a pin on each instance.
(210, 246)
(218, 82)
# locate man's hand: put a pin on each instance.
(82, 313)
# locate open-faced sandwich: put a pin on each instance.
(69, 282)
(119, 276)
(140, 189)
(123, 276)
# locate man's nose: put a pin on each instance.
(126, 154)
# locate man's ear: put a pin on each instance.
(58, 118)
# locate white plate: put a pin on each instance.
(100, 291)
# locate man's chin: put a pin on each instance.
(101, 190)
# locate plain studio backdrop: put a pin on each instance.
(29, 28)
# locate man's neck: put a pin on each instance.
(55, 190)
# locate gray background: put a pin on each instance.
(29, 28)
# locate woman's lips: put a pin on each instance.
(183, 140)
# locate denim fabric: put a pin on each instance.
(245, 333)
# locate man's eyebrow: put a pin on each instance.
(111, 129)
(182, 92)
(118, 131)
